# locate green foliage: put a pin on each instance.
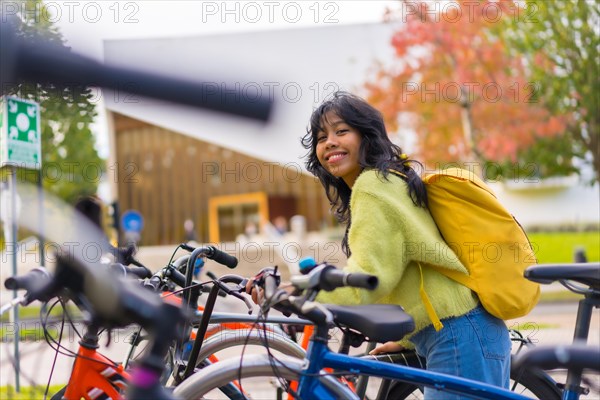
(71, 166)
(548, 157)
(554, 296)
(561, 41)
(559, 247)
(506, 130)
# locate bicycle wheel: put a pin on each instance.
(528, 383)
(256, 374)
(230, 339)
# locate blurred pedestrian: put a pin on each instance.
(190, 231)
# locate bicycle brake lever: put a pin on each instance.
(246, 301)
(236, 293)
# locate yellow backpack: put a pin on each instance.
(487, 239)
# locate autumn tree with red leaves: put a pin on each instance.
(456, 85)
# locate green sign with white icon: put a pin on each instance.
(20, 133)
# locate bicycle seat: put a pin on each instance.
(585, 273)
(379, 322)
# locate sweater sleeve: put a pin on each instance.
(376, 239)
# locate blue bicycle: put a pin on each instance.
(318, 374)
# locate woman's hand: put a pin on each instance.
(388, 347)
(258, 293)
(255, 292)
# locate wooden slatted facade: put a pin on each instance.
(169, 177)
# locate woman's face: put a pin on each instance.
(338, 146)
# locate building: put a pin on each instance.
(172, 163)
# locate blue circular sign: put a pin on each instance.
(132, 221)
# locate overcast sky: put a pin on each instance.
(86, 23)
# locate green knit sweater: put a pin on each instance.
(389, 237)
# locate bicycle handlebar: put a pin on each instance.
(327, 277)
(333, 278)
(222, 258)
(321, 277)
(270, 284)
(576, 356)
(32, 280)
(229, 278)
(212, 253)
(126, 255)
(38, 60)
(138, 271)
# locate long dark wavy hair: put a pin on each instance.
(376, 152)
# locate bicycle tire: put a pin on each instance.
(525, 382)
(59, 395)
(229, 338)
(211, 378)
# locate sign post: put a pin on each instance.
(132, 223)
(20, 146)
(21, 141)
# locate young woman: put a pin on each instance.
(376, 192)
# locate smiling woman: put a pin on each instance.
(375, 190)
(338, 146)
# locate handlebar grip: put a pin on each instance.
(363, 281)
(31, 281)
(139, 271)
(211, 275)
(177, 277)
(332, 278)
(187, 247)
(223, 258)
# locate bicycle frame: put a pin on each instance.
(319, 356)
(582, 327)
(580, 278)
(91, 376)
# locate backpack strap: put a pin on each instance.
(433, 317)
(397, 173)
(460, 277)
(437, 324)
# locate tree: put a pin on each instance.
(561, 40)
(456, 85)
(71, 166)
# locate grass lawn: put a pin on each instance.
(33, 312)
(559, 247)
(27, 334)
(27, 393)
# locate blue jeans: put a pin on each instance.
(474, 346)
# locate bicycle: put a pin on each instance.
(104, 300)
(584, 279)
(380, 323)
(573, 357)
(215, 331)
(110, 302)
(93, 375)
